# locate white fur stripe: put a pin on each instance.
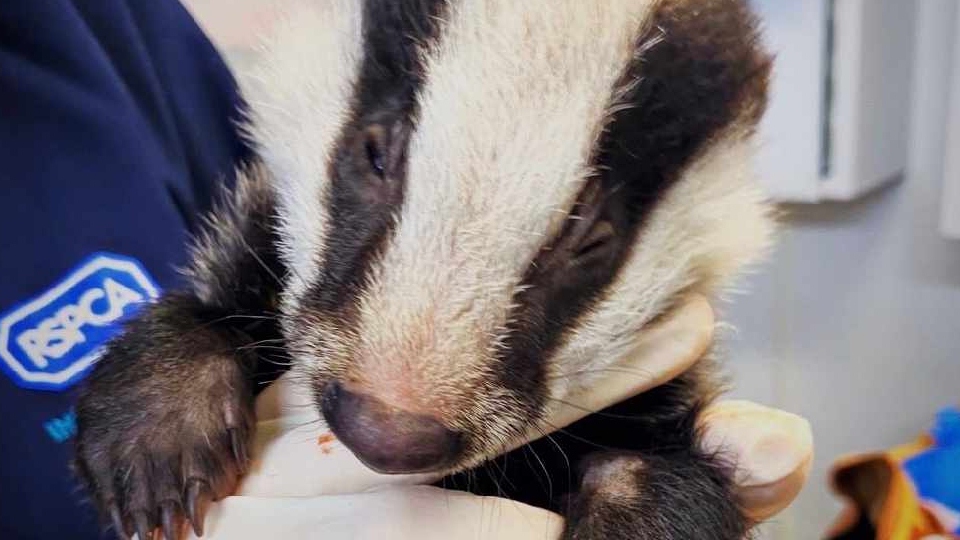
(300, 96)
(515, 98)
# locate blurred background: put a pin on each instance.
(855, 321)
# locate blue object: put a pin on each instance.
(936, 472)
(117, 123)
(52, 341)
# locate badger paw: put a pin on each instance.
(680, 495)
(163, 429)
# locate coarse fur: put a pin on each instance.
(467, 210)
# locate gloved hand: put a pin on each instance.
(304, 484)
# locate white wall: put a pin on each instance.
(855, 322)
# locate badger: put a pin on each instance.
(459, 213)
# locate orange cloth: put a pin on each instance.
(876, 486)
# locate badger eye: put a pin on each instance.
(600, 235)
(374, 152)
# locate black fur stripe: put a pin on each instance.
(696, 71)
(393, 32)
(365, 199)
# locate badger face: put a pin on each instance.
(482, 203)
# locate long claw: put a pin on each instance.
(169, 521)
(118, 523)
(142, 523)
(198, 494)
(239, 450)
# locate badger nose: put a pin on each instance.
(387, 439)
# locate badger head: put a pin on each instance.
(482, 203)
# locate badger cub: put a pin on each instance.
(460, 213)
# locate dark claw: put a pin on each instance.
(168, 518)
(118, 523)
(239, 450)
(142, 523)
(198, 493)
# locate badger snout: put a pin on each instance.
(387, 439)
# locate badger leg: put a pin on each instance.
(165, 417)
(665, 487)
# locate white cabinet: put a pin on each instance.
(837, 127)
(950, 217)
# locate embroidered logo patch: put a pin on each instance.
(49, 342)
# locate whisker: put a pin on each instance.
(503, 469)
(590, 411)
(284, 364)
(207, 324)
(548, 487)
(563, 453)
(610, 369)
(256, 257)
(263, 341)
(573, 436)
(493, 478)
(262, 348)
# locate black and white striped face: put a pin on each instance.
(484, 202)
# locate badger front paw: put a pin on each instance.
(680, 495)
(163, 426)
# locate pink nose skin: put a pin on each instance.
(387, 439)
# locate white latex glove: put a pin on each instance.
(302, 485)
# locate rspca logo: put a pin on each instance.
(51, 341)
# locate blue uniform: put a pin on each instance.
(116, 125)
